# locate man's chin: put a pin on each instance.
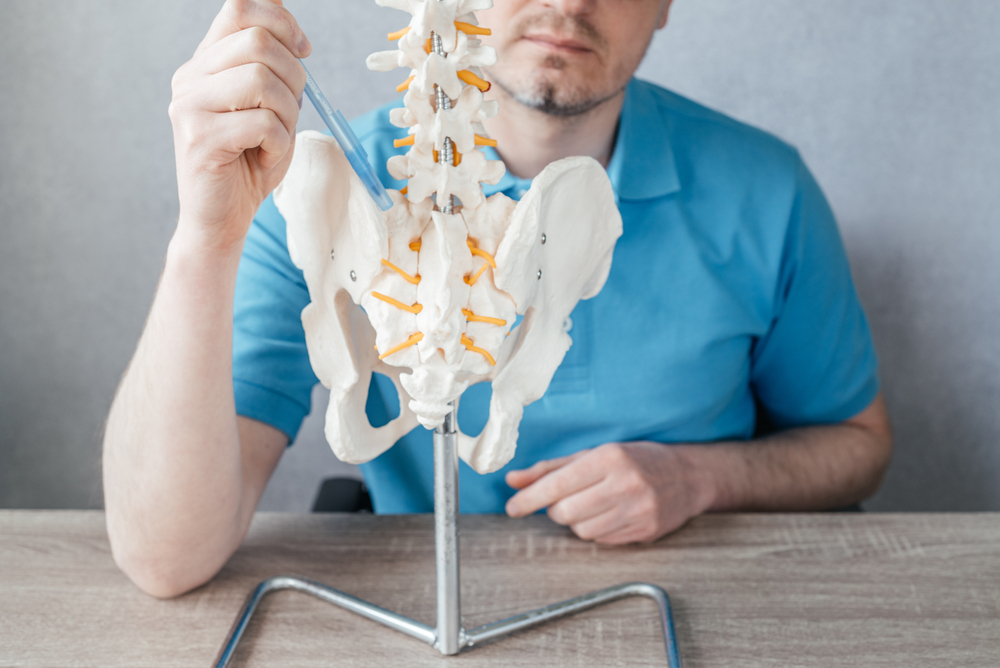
(545, 88)
(554, 102)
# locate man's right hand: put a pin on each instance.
(234, 110)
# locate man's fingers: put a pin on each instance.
(254, 128)
(629, 533)
(252, 86)
(574, 476)
(585, 505)
(239, 15)
(524, 477)
(255, 45)
(607, 523)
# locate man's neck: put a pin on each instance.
(528, 140)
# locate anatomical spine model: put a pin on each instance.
(441, 277)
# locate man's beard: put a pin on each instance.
(545, 97)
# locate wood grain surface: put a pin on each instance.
(748, 591)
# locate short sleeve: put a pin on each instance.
(272, 376)
(816, 364)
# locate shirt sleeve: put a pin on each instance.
(272, 376)
(816, 364)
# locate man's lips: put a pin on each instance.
(564, 44)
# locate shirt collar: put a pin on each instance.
(642, 164)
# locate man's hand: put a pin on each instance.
(635, 492)
(234, 109)
(616, 493)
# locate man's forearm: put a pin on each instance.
(182, 473)
(172, 469)
(811, 468)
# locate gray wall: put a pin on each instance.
(894, 104)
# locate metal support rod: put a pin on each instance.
(450, 635)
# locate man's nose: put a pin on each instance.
(571, 7)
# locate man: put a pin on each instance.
(729, 290)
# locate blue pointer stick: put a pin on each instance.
(348, 141)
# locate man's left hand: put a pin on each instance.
(616, 493)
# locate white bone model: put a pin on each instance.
(438, 291)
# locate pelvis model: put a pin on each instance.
(428, 292)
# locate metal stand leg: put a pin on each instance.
(449, 637)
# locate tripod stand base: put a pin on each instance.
(449, 637)
(470, 638)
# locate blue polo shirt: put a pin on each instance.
(730, 293)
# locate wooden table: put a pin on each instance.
(748, 590)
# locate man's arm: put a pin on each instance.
(183, 474)
(631, 492)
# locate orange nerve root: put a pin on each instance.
(415, 246)
(413, 340)
(483, 141)
(472, 317)
(471, 79)
(411, 279)
(481, 253)
(470, 346)
(470, 29)
(405, 141)
(416, 308)
(406, 84)
(471, 280)
(393, 36)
